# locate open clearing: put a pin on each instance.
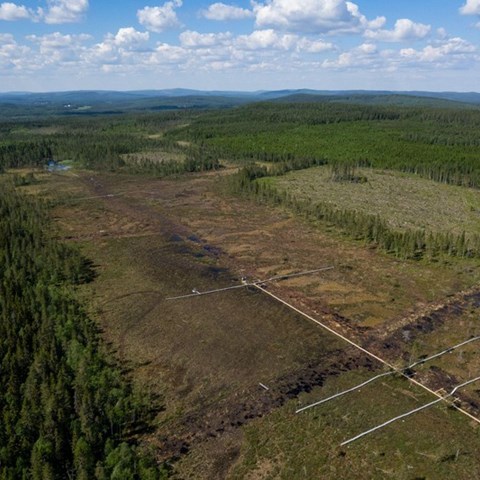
(433, 444)
(150, 239)
(403, 200)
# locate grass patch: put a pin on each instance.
(403, 200)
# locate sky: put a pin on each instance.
(58, 45)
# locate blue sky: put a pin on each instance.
(50, 45)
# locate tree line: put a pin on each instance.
(436, 143)
(66, 410)
(411, 243)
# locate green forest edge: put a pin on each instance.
(446, 144)
(66, 410)
(405, 244)
(446, 141)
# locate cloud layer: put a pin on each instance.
(276, 38)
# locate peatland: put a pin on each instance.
(106, 220)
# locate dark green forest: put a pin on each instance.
(439, 144)
(66, 410)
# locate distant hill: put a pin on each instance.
(376, 99)
(367, 95)
(465, 97)
(106, 102)
(90, 102)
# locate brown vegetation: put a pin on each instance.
(207, 355)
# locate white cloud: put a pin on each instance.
(222, 12)
(12, 12)
(471, 7)
(64, 11)
(6, 38)
(158, 19)
(126, 46)
(378, 22)
(260, 39)
(13, 57)
(404, 29)
(367, 48)
(313, 16)
(102, 53)
(222, 66)
(226, 45)
(56, 48)
(194, 39)
(128, 52)
(295, 46)
(365, 55)
(313, 46)
(442, 33)
(449, 51)
(57, 40)
(128, 37)
(272, 40)
(168, 54)
(57, 11)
